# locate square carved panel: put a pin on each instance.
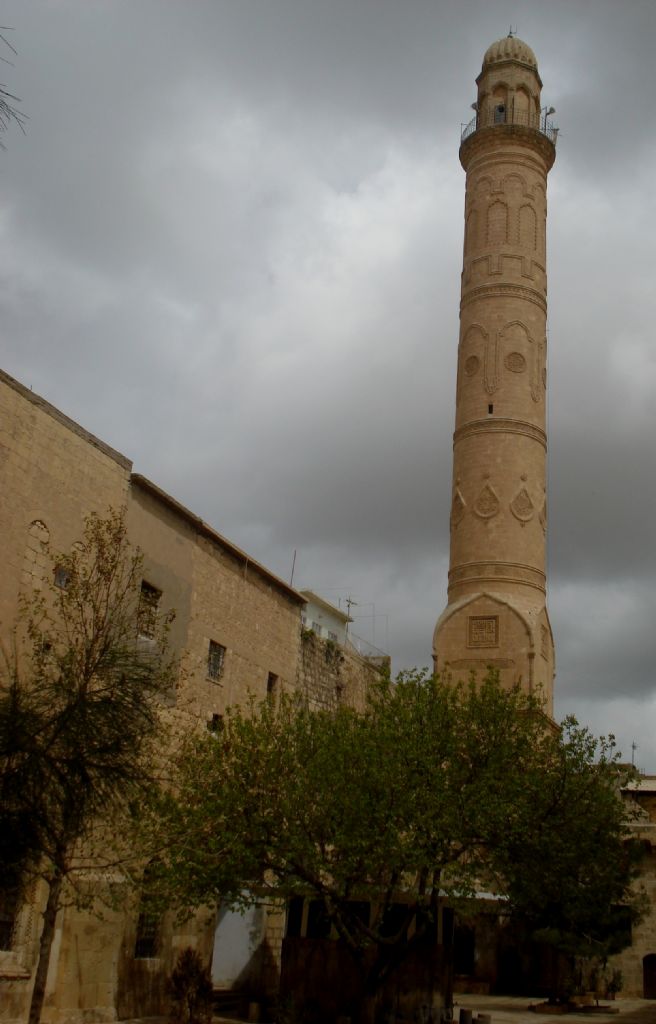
(483, 631)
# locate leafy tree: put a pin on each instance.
(433, 793)
(78, 712)
(191, 989)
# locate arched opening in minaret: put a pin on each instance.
(521, 106)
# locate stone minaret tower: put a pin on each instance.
(496, 613)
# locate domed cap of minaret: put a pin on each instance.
(510, 48)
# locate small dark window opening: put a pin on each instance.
(490, 410)
(215, 660)
(499, 113)
(215, 724)
(9, 904)
(148, 610)
(294, 917)
(62, 577)
(464, 949)
(318, 923)
(272, 684)
(147, 941)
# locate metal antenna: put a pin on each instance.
(349, 604)
(512, 32)
(634, 747)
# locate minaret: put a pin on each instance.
(496, 613)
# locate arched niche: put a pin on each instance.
(497, 222)
(649, 976)
(522, 106)
(471, 355)
(528, 227)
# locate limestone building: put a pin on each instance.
(238, 630)
(496, 613)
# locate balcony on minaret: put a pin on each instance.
(505, 115)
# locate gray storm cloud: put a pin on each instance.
(231, 247)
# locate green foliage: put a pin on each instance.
(434, 792)
(191, 989)
(79, 697)
(78, 712)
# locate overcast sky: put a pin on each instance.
(231, 243)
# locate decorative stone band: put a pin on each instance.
(497, 290)
(500, 425)
(508, 572)
(480, 664)
(485, 140)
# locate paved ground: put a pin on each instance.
(515, 1010)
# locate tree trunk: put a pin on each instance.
(45, 945)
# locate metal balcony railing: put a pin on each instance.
(496, 118)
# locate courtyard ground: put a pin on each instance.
(514, 1010)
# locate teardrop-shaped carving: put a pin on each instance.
(543, 516)
(487, 504)
(522, 507)
(458, 507)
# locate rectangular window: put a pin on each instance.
(272, 684)
(62, 577)
(215, 660)
(9, 901)
(147, 938)
(316, 626)
(215, 724)
(148, 610)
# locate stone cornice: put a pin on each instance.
(482, 572)
(520, 291)
(500, 425)
(496, 136)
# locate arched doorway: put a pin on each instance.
(649, 976)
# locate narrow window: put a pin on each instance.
(500, 113)
(215, 660)
(148, 609)
(9, 900)
(62, 577)
(146, 943)
(215, 724)
(272, 684)
(147, 939)
(490, 410)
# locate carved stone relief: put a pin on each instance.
(458, 507)
(537, 387)
(543, 515)
(491, 367)
(487, 504)
(497, 222)
(515, 362)
(528, 227)
(522, 507)
(475, 339)
(483, 631)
